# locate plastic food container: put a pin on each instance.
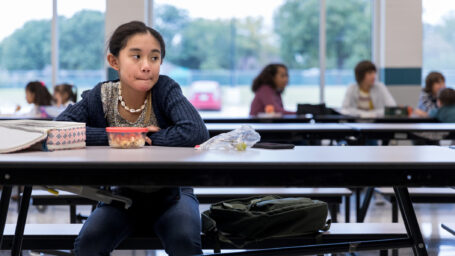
(126, 137)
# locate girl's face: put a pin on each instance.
(138, 63)
(58, 98)
(29, 96)
(437, 87)
(281, 79)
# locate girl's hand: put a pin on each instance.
(18, 107)
(420, 113)
(151, 128)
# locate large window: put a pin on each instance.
(438, 37)
(25, 49)
(217, 41)
(212, 45)
(25, 46)
(81, 42)
(348, 37)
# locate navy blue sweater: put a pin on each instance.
(179, 121)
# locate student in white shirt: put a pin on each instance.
(367, 97)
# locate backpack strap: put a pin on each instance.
(327, 225)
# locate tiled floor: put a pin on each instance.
(430, 216)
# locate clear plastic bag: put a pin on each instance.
(239, 139)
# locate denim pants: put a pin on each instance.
(177, 224)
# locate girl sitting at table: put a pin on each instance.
(268, 87)
(64, 95)
(36, 93)
(434, 82)
(141, 98)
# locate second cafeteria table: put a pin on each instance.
(361, 131)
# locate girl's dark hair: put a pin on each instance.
(362, 69)
(267, 75)
(447, 96)
(42, 95)
(431, 79)
(124, 32)
(67, 89)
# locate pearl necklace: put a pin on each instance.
(122, 102)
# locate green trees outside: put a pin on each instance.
(438, 47)
(81, 44)
(246, 44)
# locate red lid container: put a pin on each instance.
(126, 137)
(126, 129)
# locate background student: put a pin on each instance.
(434, 82)
(445, 112)
(268, 87)
(367, 96)
(141, 98)
(37, 94)
(64, 94)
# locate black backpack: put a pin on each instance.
(258, 218)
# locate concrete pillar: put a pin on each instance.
(398, 47)
(121, 11)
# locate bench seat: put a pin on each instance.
(61, 237)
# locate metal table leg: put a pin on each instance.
(347, 209)
(365, 205)
(410, 220)
(448, 229)
(4, 204)
(20, 226)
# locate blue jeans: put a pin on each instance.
(177, 224)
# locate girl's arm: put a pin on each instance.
(95, 136)
(425, 102)
(187, 127)
(420, 113)
(267, 96)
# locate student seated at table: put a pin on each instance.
(36, 93)
(64, 95)
(268, 87)
(445, 111)
(434, 82)
(367, 97)
(141, 98)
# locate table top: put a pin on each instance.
(397, 127)
(19, 117)
(317, 119)
(282, 119)
(341, 127)
(301, 155)
(273, 127)
(430, 192)
(303, 166)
